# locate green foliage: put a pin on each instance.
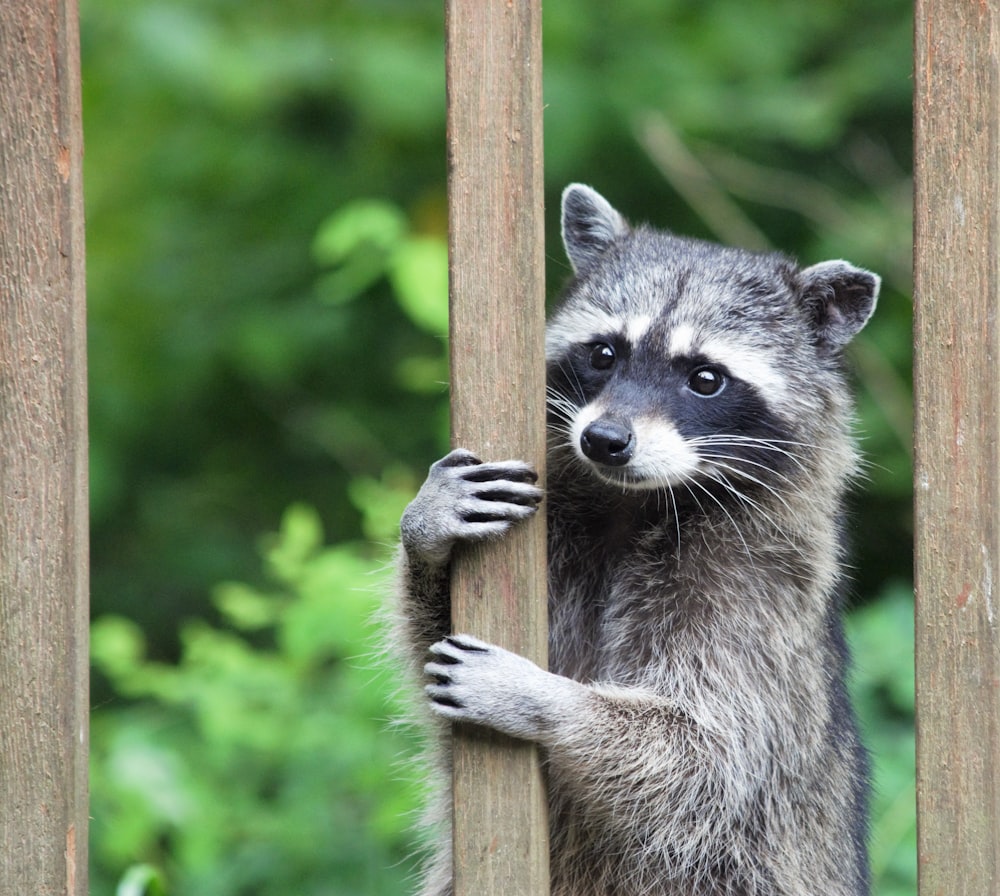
(267, 286)
(262, 760)
(367, 240)
(881, 637)
(142, 880)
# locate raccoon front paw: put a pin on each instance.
(472, 681)
(464, 499)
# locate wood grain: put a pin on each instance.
(43, 455)
(498, 386)
(957, 404)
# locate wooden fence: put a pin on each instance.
(495, 185)
(957, 418)
(497, 302)
(43, 455)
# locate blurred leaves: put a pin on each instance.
(369, 239)
(267, 279)
(881, 637)
(142, 880)
(261, 760)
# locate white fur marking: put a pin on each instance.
(662, 456)
(751, 366)
(585, 416)
(578, 325)
(682, 341)
(635, 328)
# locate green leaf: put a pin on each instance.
(142, 880)
(246, 608)
(117, 645)
(333, 617)
(419, 275)
(364, 221)
(358, 241)
(301, 535)
(382, 501)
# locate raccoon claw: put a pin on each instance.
(472, 681)
(465, 499)
(459, 457)
(468, 678)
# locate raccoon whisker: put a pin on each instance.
(559, 404)
(725, 510)
(781, 446)
(722, 472)
(757, 444)
(561, 425)
(780, 528)
(677, 518)
(552, 392)
(562, 412)
(735, 465)
(666, 504)
(717, 464)
(723, 440)
(742, 497)
(795, 443)
(745, 466)
(573, 378)
(564, 434)
(757, 507)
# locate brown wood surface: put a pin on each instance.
(43, 455)
(498, 382)
(957, 403)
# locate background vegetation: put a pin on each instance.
(266, 227)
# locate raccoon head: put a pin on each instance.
(673, 360)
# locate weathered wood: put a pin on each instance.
(43, 455)
(498, 387)
(957, 403)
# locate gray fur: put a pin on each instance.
(695, 724)
(589, 226)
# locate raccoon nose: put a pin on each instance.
(608, 442)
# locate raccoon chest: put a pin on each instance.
(604, 616)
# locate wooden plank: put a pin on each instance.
(43, 455)
(957, 403)
(498, 389)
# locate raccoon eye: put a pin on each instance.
(602, 356)
(706, 381)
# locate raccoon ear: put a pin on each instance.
(839, 299)
(589, 225)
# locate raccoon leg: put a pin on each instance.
(462, 499)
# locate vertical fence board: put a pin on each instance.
(957, 399)
(43, 455)
(498, 388)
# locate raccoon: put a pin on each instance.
(695, 724)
